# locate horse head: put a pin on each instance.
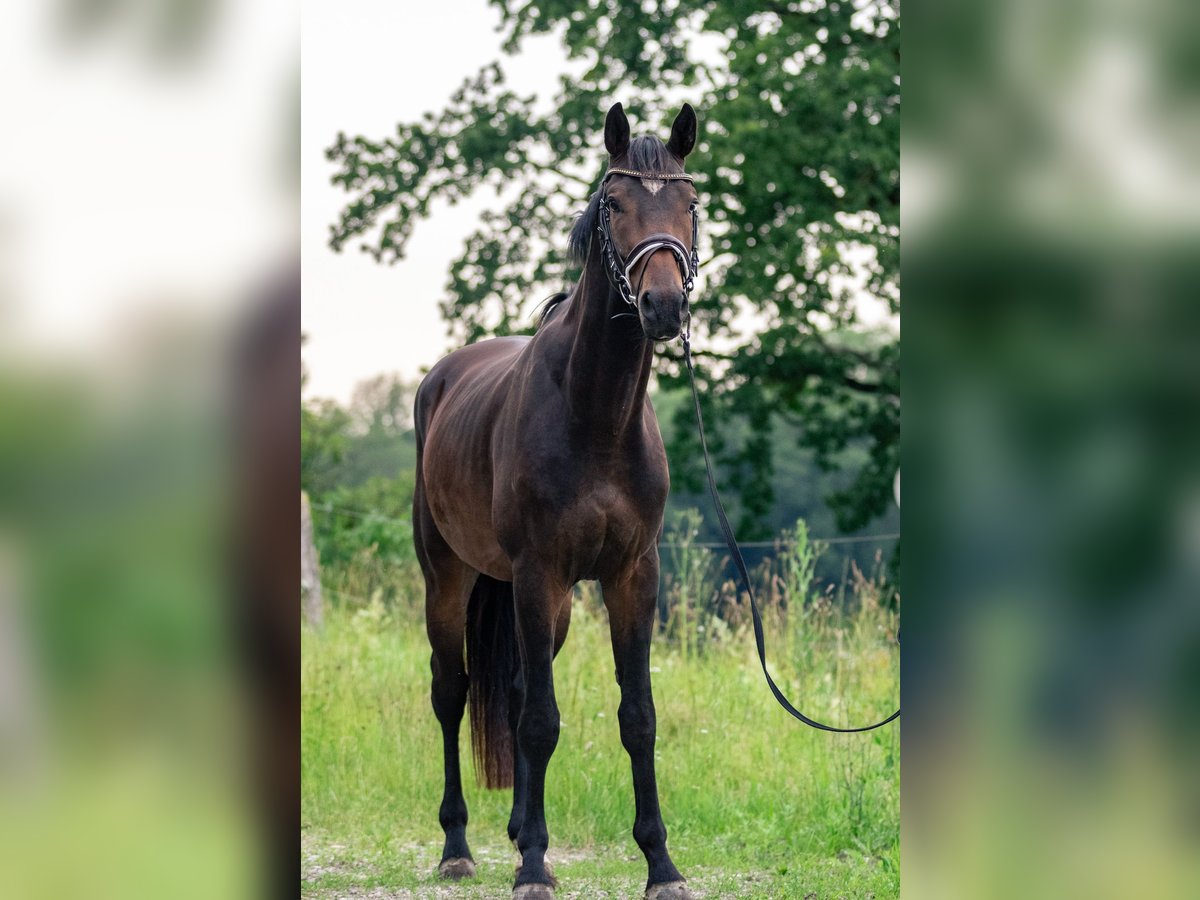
(647, 219)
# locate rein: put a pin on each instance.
(620, 271)
(740, 564)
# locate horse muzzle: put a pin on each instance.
(662, 314)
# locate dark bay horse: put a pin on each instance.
(540, 464)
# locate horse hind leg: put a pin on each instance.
(449, 696)
(448, 584)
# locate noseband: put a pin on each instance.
(620, 270)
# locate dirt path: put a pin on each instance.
(330, 872)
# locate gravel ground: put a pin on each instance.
(330, 872)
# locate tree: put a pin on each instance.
(383, 445)
(324, 442)
(798, 170)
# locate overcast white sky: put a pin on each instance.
(367, 65)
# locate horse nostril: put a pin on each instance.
(647, 298)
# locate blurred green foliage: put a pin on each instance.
(1051, 717)
(373, 516)
(798, 168)
(357, 465)
(122, 735)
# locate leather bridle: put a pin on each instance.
(620, 269)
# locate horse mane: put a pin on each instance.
(646, 154)
(549, 305)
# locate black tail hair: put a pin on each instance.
(492, 661)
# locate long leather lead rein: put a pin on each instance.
(741, 567)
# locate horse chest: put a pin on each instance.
(590, 524)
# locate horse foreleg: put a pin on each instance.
(631, 603)
(516, 700)
(538, 603)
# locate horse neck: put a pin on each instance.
(610, 360)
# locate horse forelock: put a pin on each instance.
(646, 154)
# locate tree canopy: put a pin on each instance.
(797, 165)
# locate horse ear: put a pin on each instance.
(616, 131)
(683, 132)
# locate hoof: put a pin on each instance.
(533, 892)
(671, 890)
(457, 868)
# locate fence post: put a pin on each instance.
(311, 603)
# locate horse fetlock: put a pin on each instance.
(453, 814)
(532, 839)
(549, 870)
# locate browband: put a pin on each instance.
(654, 176)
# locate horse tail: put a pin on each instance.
(492, 662)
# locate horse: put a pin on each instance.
(540, 464)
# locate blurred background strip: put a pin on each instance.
(149, 317)
(1051, 186)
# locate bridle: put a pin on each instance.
(620, 270)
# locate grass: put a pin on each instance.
(756, 805)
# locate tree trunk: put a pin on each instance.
(311, 602)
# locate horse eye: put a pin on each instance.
(614, 205)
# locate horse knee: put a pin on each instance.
(638, 725)
(453, 812)
(649, 833)
(537, 732)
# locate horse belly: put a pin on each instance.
(459, 494)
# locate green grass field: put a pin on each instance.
(756, 804)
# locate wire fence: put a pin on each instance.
(367, 515)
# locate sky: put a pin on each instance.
(368, 65)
